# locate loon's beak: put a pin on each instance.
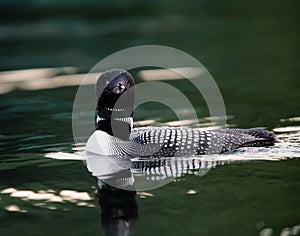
(122, 87)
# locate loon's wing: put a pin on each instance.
(168, 141)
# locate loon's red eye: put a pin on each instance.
(127, 84)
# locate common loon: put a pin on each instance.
(115, 134)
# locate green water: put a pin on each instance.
(250, 48)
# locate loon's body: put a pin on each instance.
(114, 134)
(188, 141)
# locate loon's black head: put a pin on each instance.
(114, 95)
(115, 102)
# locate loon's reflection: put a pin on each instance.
(119, 179)
(119, 210)
(139, 175)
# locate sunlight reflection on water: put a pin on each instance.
(46, 197)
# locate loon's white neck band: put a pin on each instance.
(129, 120)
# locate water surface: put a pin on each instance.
(251, 50)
